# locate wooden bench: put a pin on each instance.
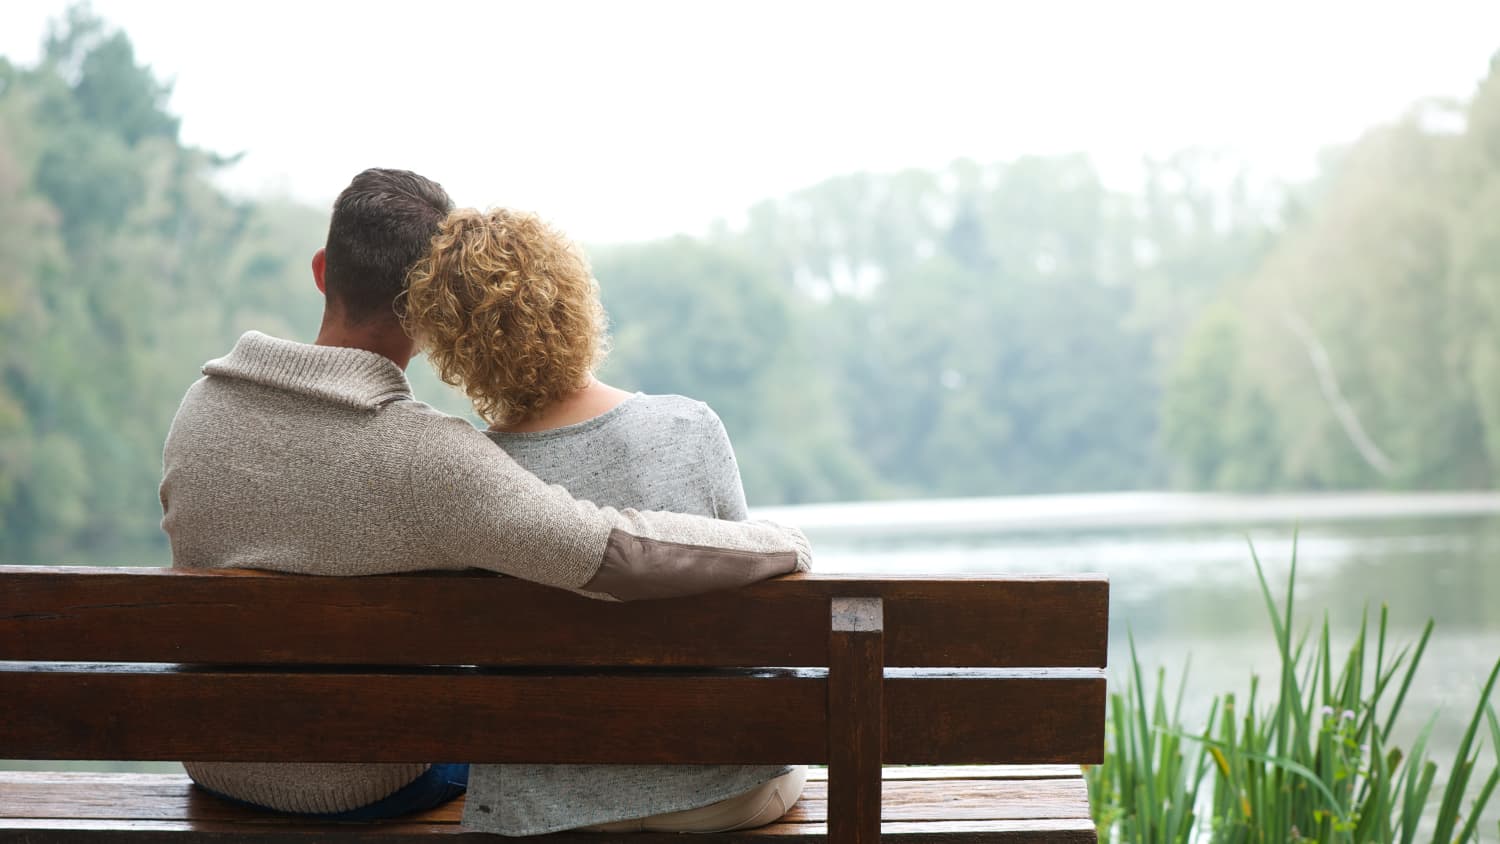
(999, 679)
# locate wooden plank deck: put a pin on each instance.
(1012, 804)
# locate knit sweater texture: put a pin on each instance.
(654, 453)
(317, 460)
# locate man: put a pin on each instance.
(315, 459)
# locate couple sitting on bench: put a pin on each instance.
(316, 459)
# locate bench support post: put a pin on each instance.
(856, 729)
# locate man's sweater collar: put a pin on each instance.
(353, 377)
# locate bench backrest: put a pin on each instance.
(158, 664)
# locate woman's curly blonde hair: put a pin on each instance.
(507, 309)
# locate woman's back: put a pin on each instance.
(647, 453)
(665, 453)
(507, 308)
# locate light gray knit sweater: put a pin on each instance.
(316, 460)
(656, 452)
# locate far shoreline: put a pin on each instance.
(1120, 511)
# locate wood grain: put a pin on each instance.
(200, 714)
(988, 717)
(171, 796)
(965, 772)
(856, 710)
(166, 615)
(47, 808)
(768, 716)
(60, 831)
(936, 800)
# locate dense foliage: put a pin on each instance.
(122, 267)
(1363, 350)
(983, 329)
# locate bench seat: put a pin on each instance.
(1001, 803)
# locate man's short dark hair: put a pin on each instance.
(382, 223)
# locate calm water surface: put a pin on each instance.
(1187, 590)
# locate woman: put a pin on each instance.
(506, 307)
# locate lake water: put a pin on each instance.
(1182, 580)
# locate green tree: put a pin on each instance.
(708, 322)
(1361, 339)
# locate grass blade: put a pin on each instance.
(1463, 765)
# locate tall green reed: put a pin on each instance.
(1314, 763)
(1147, 789)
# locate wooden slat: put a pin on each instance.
(186, 714)
(1026, 718)
(1047, 831)
(116, 807)
(171, 796)
(1062, 831)
(965, 772)
(855, 712)
(944, 800)
(164, 615)
(889, 773)
(141, 797)
(136, 712)
(105, 779)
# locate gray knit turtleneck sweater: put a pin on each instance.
(316, 460)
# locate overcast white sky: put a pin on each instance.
(628, 120)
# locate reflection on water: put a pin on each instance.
(1189, 592)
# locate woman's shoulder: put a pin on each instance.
(642, 414)
(674, 407)
(682, 418)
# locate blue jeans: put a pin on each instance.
(441, 783)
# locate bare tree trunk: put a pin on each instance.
(1328, 384)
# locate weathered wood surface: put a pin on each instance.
(856, 731)
(966, 772)
(164, 615)
(196, 713)
(996, 805)
(1062, 831)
